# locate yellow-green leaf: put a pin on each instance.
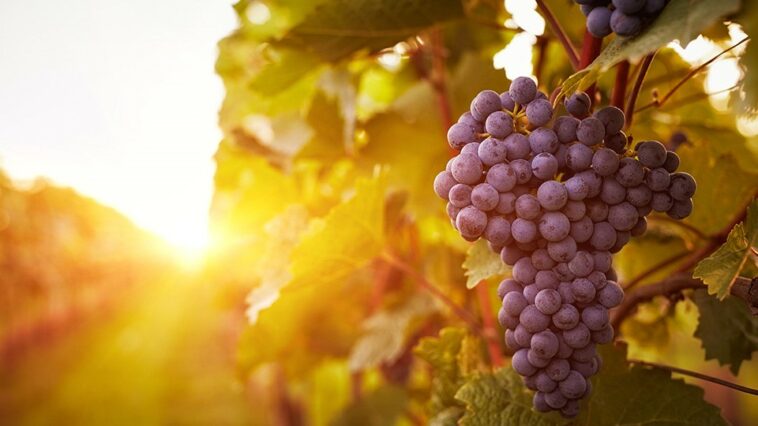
(481, 263)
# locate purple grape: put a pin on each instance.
(595, 318)
(605, 162)
(574, 210)
(563, 250)
(625, 25)
(472, 148)
(492, 151)
(586, 369)
(498, 231)
(639, 228)
(613, 119)
(582, 230)
(484, 197)
(565, 128)
(530, 293)
(539, 403)
(548, 301)
(578, 104)
(558, 369)
(576, 188)
(661, 202)
(563, 272)
(501, 177)
(510, 340)
(612, 191)
(545, 344)
(603, 336)
(603, 260)
(544, 166)
(484, 104)
(672, 162)
(528, 207)
(599, 22)
(603, 236)
(630, 172)
(499, 124)
(511, 254)
(539, 112)
(543, 139)
(582, 264)
(577, 337)
(452, 212)
(616, 143)
(443, 182)
(545, 383)
(680, 209)
(590, 131)
(586, 353)
(507, 102)
(651, 154)
(579, 157)
(523, 337)
(682, 186)
(583, 290)
(467, 169)
(508, 321)
(555, 400)
(554, 226)
(551, 195)
(542, 260)
(566, 318)
(513, 303)
(524, 271)
(611, 295)
(653, 7)
(533, 320)
(518, 146)
(461, 134)
(629, 7)
(597, 210)
(523, 230)
(471, 222)
(639, 196)
(521, 364)
(545, 279)
(657, 179)
(506, 203)
(506, 286)
(523, 90)
(460, 195)
(623, 216)
(573, 386)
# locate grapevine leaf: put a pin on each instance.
(381, 407)
(481, 263)
(387, 332)
(680, 20)
(345, 240)
(727, 329)
(719, 270)
(623, 395)
(336, 29)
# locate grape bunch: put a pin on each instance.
(623, 17)
(555, 197)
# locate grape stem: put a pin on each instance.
(542, 45)
(697, 375)
(489, 329)
(641, 74)
(590, 50)
(659, 102)
(437, 77)
(619, 87)
(557, 29)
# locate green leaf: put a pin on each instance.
(623, 395)
(719, 270)
(345, 240)
(381, 407)
(727, 329)
(387, 333)
(481, 263)
(681, 20)
(748, 19)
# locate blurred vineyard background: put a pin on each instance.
(332, 267)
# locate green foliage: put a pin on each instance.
(380, 407)
(720, 269)
(481, 263)
(727, 329)
(748, 19)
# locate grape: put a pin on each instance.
(611, 295)
(603, 336)
(579, 157)
(533, 320)
(612, 191)
(558, 369)
(651, 154)
(551, 195)
(605, 162)
(528, 207)
(657, 179)
(510, 340)
(545, 344)
(530, 293)
(522, 336)
(595, 318)
(467, 169)
(586, 9)
(452, 211)
(506, 204)
(544, 166)
(563, 272)
(639, 228)
(563, 250)
(566, 318)
(554, 226)
(582, 264)
(523, 230)
(623, 216)
(583, 290)
(484, 104)
(546, 279)
(571, 409)
(574, 210)
(590, 131)
(461, 134)
(498, 231)
(507, 321)
(573, 386)
(639, 196)
(629, 6)
(471, 222)
(499, 124)
(612, 118)
(586, 353)
(586, 369)
(661, 202)
(542, 260)
(599, 22)
(680, 209)
(469, 119)
(630, 172)
(597, 210)
(523, 90)
(513, 303)
(543, 139)
(523, 170)
(531, 381)
(506, 286)
(472, 148)
(539, 112)
(544, 382)
(603, 236)
(510, 254)
(460, 195)
(578, 104)
(581, 230)
(538, 401)
(443, 182)
(616, 143)
(555, 399)
(672, 162)
(524, 271)
(492, 151)
(521, 364)
(598, 279)
(602, 261)
(548, 301)
(625, 25)
(501, 177)
(577, 337)
(565, 128)
(652, 7)
(576, 188)
(507, 102)
(484, 197)
(611, 274)
(682, 186)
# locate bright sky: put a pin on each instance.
(119, 100)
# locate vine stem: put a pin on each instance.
(557, 29)
(489, 330)
(619, 87)
(459, 311)
(437, 78)
(590, 50)
(629, 110)
(659, 102)
(697, 375)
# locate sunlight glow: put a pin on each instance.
(525, 15)
(516, 57)
(257, 13)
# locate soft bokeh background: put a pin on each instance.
(153, 275)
